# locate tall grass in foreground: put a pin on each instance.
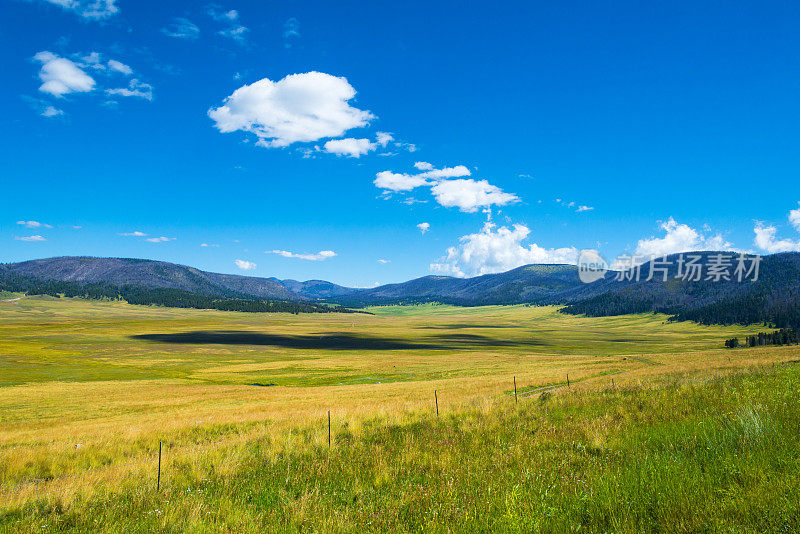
(687, 455)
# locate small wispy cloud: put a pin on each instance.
(33, 224)
(30, 238)
(208, 245)
(424, 227)
(384, 261)
(161, 239)
(291, 30)
(181, 28)
(133, 234)
(319, 256)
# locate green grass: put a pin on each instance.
(88, 389)
(685, 455)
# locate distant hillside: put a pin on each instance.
(773, 299)
(159, 274)
(316, 289)
(527, 284)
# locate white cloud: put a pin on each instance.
(384, 261)
(447, 172)
(470, 195)
(584, 208)
(466, 194)
(383, 138)
(181, 28)
(118, 66)
(424, 227)
(61, 76)
(410, 147)
(399, 182)
(135, 89)
(319, 256)
(88, 9)
(237, 33)
(33, 224)
(353, 148)
(291, 28)
(245, 265)
(161, 239)
(30, 238)
(679, 238)
(51, 111)
(223, 16)
(133, 234)
(794, 218)
(298, 108)
(494, 250)
(766, 241)
(208, 245)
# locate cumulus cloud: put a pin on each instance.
(33, 224)
(61, 76)
(383, 138)
(679, 238)
(245, 265)
(353, 148)
(766, 240)
(133, 234)
(319, 256)
(494, 250)
(30, 238)
(470, 195)
(161, 239)
(88, 9)
(584, 208)
(392, 181)
(424, 227)
(298, 108)
(135, 89)
(447, 172)
(181, 28)
(384, 261)
(794, 218)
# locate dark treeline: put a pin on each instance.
(784, 336)
(157, 296)
(777, 309)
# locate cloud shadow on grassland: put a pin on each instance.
(331, 341)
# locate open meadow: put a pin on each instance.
(241, 401)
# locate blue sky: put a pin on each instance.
(673, 124)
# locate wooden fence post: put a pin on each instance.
(515, 389)
(158, 481)
(436, 398)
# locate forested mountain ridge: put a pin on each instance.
(772, 298)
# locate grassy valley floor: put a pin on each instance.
(659, 430)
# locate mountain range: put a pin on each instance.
(774, 297)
